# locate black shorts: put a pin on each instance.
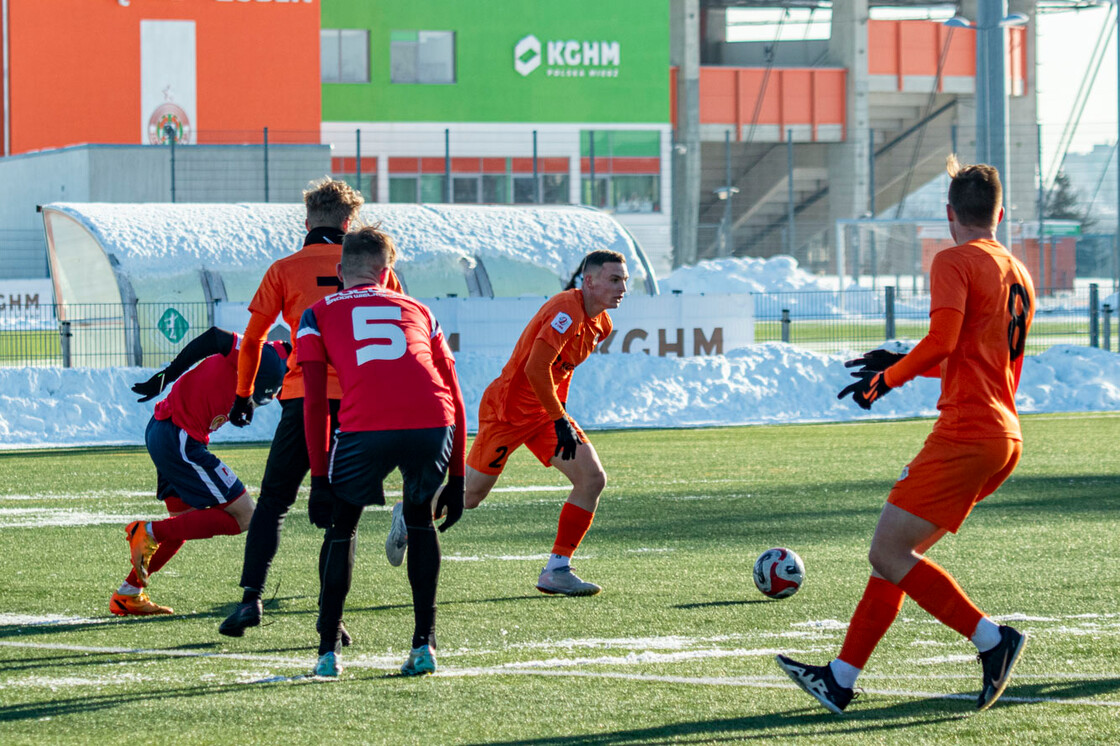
(360, 461)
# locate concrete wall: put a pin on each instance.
(139, 173)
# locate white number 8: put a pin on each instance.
(363, 319)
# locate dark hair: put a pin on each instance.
(975, 193)
(365, 246)
(596, 258)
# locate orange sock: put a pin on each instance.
(874, 614)
(574, 523)
(936, 592)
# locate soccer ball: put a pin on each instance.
(779, 572)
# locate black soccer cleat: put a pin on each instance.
(819, 682)
(997, 664)
(343, 636)
(247, 614)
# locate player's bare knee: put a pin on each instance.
(242, 510)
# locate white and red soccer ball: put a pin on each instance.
(779, 572)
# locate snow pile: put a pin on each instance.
(766, 383)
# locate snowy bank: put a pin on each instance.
(762, 384)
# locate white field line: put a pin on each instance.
(528, 669)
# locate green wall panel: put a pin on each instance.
(556, 84)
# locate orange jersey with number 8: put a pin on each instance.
(994, 293)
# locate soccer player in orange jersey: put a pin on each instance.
(525, 406)
(289, 288)
(981, 306)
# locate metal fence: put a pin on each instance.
(151, 334)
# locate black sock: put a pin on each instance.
(250, 596)
(423, 576)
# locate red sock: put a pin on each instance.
(937, 592)
(574, 523)
(165, 552)
(874, 614)
(198, 524)
(167, 549)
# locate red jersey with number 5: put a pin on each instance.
(384, 346)
(994, 292)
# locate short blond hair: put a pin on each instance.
(368, 247)
(331, 202)
(975, 192)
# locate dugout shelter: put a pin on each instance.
(133, 281)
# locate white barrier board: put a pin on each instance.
(660, 325)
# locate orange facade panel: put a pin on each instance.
(739, 97)
(915, 49)
(85, 71)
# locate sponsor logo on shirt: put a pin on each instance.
(562, 322)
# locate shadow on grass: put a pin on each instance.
(810, 724)
(94, 702)
(740, 602)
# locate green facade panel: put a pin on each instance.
(514, 61)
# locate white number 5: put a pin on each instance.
(392, 336)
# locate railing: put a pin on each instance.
(151, 334)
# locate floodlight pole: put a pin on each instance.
(991, 100)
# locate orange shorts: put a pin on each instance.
(496, 440)
(948, 477)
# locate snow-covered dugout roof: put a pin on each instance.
(113, 253)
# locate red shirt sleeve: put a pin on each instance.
(316, 413)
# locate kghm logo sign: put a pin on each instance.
(568, 58)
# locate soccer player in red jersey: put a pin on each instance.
(289, 287)
(525, 406)
(204, 497)
(401, 408)
(982, 303)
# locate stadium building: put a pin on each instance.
(701, 147)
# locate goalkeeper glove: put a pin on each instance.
(869, 387)
(451, 501)
(153, 387)
(876, 360)
(320, 506)
(242, 412)
(566, 439)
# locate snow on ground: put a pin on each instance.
(762, 384)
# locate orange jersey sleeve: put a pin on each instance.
(562, 326)
(994, 295)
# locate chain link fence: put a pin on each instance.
(151, 334)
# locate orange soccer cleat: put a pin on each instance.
(138, 605)
(142, 546)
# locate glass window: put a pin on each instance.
(464, 189)
(432, 188)
(595, 194)
(344, 55)
(524, 190)
(636, 193)
(426, 57)
(554, 189)
(402, 188)
(495, 188)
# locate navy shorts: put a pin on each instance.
(360, 461)
(184, 467)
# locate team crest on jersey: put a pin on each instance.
(562, 322)
(218, 422)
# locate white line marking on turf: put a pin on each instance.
(530, 669)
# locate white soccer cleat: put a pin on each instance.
(397, 540)
(562, 581)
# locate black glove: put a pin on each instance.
(870, 386)
(242, 412)
(876, 360)
(566, 439)
(451, 500)
(153, 387)
(320, 506)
